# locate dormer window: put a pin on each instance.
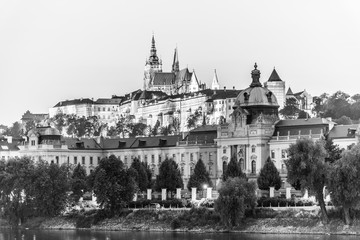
(246, 96)
(269, 94)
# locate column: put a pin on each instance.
(163, 194)
(148, 194)
(209, 193)
(272, 192)
(178, 193)
(193, 194)
(288, 192)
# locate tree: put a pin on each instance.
(142, 177)
(333, 151)
(306, 163)
(235, 195)
(15, 176)
(344, 181)
(269, 176)
(233, 169)
(136, 129)
(166, 130)
(193, 119)
(15, 130)
(343, 120)
(169, 176)
(290, 110)
(155, 129)
(200, 177)
(78, 182)
(337, 105)
(112, 184)
(49, 188)
(303, 115)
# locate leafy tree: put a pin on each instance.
(356, 97)
(136, 129)
(344, 181)
(166, 130)
(78, 182)
(319, 107)
(48, 188)
(142, 177)
(199, 177)
(59, 121)
(112, 132)
(155, 129)
(290, 110)
(303, 115)
(15, 179)
(149, 174)
(235, 195)
(30, 124)
(233, 169)
(337, 105)
(112, 184)
(333, 151)
(15, 130)
(169, 176)
(176, 125)
(121, 125)
(343, 120)
(306, 163)
(269, 176)
(193, 119)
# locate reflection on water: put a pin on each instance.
(6, 234)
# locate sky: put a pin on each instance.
(54, 50)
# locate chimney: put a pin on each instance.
(233, 87)
(224, 88)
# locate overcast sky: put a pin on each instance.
(57, 50)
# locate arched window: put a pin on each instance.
(253, 166)
(253, 148)
(224, 166)
(242, 164)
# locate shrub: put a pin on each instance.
(175, 223)
(84, 221)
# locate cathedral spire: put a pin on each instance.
(175, 66)
(215, 83)
(153, 59)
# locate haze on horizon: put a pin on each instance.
(56, 50)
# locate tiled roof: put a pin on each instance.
(163, 78)
(223, 94)
(343, 131)
(75, 102)
(114, 101)
(158, 141)
(117, 143)
(289, 92)
(274, 77)
(82, 143)
(182, 75)
(302, 122)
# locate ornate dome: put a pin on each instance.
(256, 95)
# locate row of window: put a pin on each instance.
(283, 153)
(83, 160)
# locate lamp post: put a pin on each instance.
(205, 186)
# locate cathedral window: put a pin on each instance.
(253, 166)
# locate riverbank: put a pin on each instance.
(203, 220)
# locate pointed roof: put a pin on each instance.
(215, 83)
(153, 56)
(274, 77)
(175, 65)
(289, 92)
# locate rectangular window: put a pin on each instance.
(182, 157)
(91, 160)
(75, 160)
(32, 142)
(191, 157)
(83, 160)
(200, 156)
(98, 160)
(159, 159)
(125, 159)
(152, 158)
(272, 153)
(57, 159)
(283, 153)
(68, 160)
(146, 159)
(174, 157)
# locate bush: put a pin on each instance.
(84, 221)
(175, 223)
(282, 202)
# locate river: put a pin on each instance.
(6, 234)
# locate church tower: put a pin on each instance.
(277, 86)
(152, 65)
(215, 82)
(175, 65)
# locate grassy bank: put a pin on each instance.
(203, 220)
